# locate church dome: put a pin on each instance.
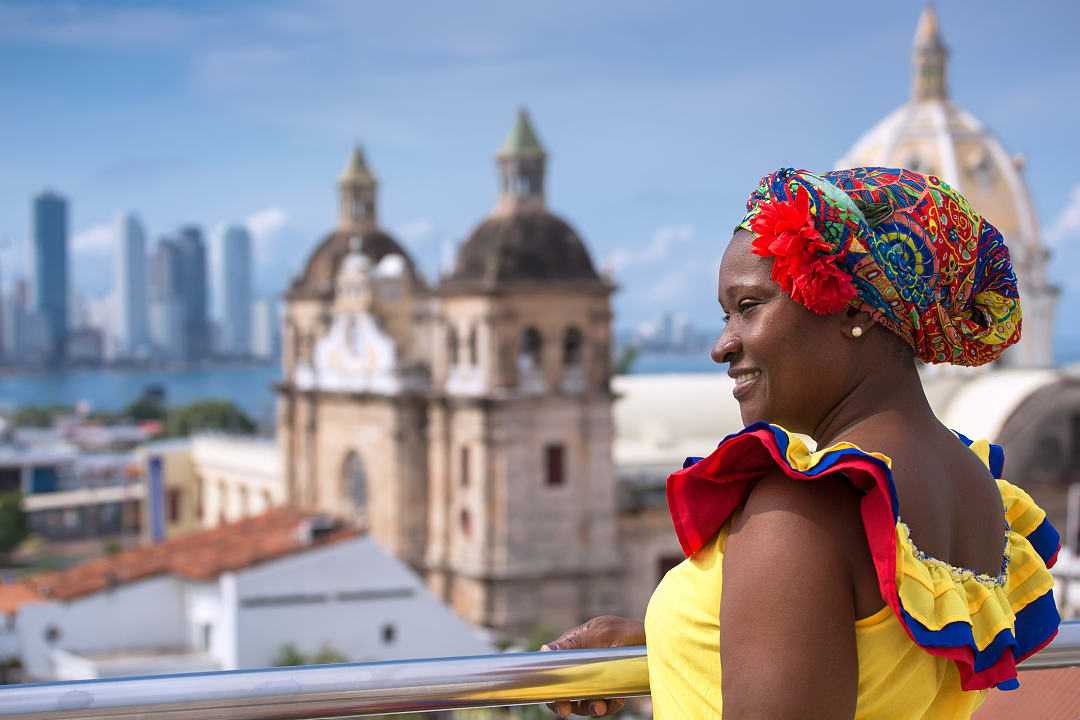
(528, 245)
(522, 241)
(320, 274)
(931, 135)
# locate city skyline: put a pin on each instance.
(657, 120)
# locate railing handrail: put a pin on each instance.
(351, 689)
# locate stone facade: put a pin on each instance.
(469, 425)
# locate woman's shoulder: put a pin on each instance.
(985, 624)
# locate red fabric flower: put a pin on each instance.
(802, 267)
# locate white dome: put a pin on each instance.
(932, 135)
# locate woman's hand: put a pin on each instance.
(605, 631)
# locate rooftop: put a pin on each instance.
(201, 555)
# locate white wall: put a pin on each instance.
(423, 626)
(144, 614)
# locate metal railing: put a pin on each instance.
(350, 689)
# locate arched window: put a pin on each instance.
(532, 347)
(573, 343)
(451, 345)
(354, 481)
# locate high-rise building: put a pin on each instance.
(233, 286)
(166, 306)
(51, 268)
(193, 292)
(131, 324)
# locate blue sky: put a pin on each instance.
(658, 118)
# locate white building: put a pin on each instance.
(232, 597)
(131, 325)
(233, 287)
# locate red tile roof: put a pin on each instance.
(201, 555)
(1043, 694)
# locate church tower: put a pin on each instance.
(352, 405)
(522, 484)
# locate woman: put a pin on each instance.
(802, 582)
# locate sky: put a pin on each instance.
(658, 119)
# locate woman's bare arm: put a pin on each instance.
(787, 636)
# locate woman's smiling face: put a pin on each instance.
(790, 366)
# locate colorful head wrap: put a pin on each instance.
(904, 247)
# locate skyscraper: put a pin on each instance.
(131, 297)
(193, 292)
(233, 284)
(166, 305)
(51, 268)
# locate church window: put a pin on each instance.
(466, 522)
(464, 468)
(572, 345)
(554, 455)
(354, 481)
(532, 346)
(472, 344)
(452, 345)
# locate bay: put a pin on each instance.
(249, 386)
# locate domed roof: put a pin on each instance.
(932, 135)
(319, 275)
(533, 245)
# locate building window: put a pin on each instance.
(532, 348)
(223, 501)
(52, 634)
(472, 343)
(451, 345)
(572, 345)
(173, 499)
(199, 492)
(466, 523)
(389, 634)
(354, 481)
(206, 636)
(243, 495)
(464, 467)
(554, 470)
(268, 500)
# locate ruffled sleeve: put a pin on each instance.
(986, 625)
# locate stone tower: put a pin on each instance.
(353, 401)
(522, 485)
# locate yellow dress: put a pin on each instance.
(945, 634)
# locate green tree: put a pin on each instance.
(328, 654)
(145, 408)
(38, 415)
(207, 415)
(287, 655)
(14, 526)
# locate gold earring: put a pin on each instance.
(856, 331)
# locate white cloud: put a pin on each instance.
(660, 247)
(97, 238)
(265, 223)
(1068, 222)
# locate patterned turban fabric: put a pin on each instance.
(924, 264)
